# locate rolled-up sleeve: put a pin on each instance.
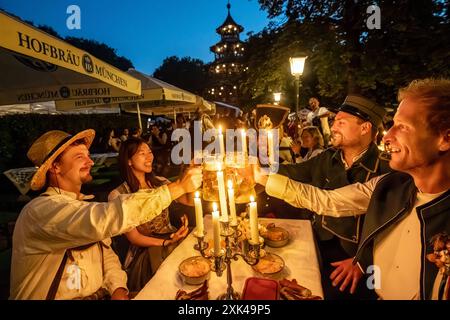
(350, 200)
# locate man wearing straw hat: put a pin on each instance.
(61, 243)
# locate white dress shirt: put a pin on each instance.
(57, 220)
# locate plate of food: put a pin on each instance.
(269, 265)
(292, 290)
(275, 237)
(194, 270)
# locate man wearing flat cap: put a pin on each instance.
(353, 157)
(61, 243)
(403, 243)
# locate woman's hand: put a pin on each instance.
(182, 232)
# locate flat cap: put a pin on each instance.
(363, 108)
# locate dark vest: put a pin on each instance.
(392, 199)
(327, 171)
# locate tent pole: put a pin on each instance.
(174, 114)
(139, 115)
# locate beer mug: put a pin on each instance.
(239, 171)
(211, 165)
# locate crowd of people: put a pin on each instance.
(365, 210)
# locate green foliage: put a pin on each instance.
(343, 54)
(187, 73)
(268, 56)
(101, 51)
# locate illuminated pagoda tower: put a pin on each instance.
(227, 64)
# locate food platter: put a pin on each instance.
(269, 265)
(194, 270)
(275, 237)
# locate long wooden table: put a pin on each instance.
(299, 255)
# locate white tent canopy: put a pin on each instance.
(221, 107)
(48, 107)
(155, 92)
(172, 109)
(157, 98)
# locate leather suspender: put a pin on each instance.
(68, 253)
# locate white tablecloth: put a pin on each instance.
(299, 255)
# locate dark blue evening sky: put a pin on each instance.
(147, 31)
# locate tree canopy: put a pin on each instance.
(101, 51)
(344, 54)
(187, 73)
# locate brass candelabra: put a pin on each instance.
(248, 250)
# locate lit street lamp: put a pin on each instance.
(277, 97)
(297, 66)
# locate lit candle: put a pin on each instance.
(221, 142)
(216, 229)
(222, 194)
(232, 204)
(254, 232)
(198, 214)
(244, 142)
(270, 150)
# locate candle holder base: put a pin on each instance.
(222, 267)
(200, 245)
(227, 233)
(226, 230)
(233, 295)
(203, 246)
(218, 266)
(260, 242)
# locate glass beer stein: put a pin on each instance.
(236, 169)
(211, 164)
(239, 171)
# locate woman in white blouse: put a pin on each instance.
(312, 139)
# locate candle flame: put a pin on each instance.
(220, 129)
(214, 206)
(252, 199)
(269, 134)
(243, 132)
(230, 184)
(197, 194)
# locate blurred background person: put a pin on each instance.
(312, 140)
(319, 117)
(125, 134)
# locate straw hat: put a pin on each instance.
(49, 146)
